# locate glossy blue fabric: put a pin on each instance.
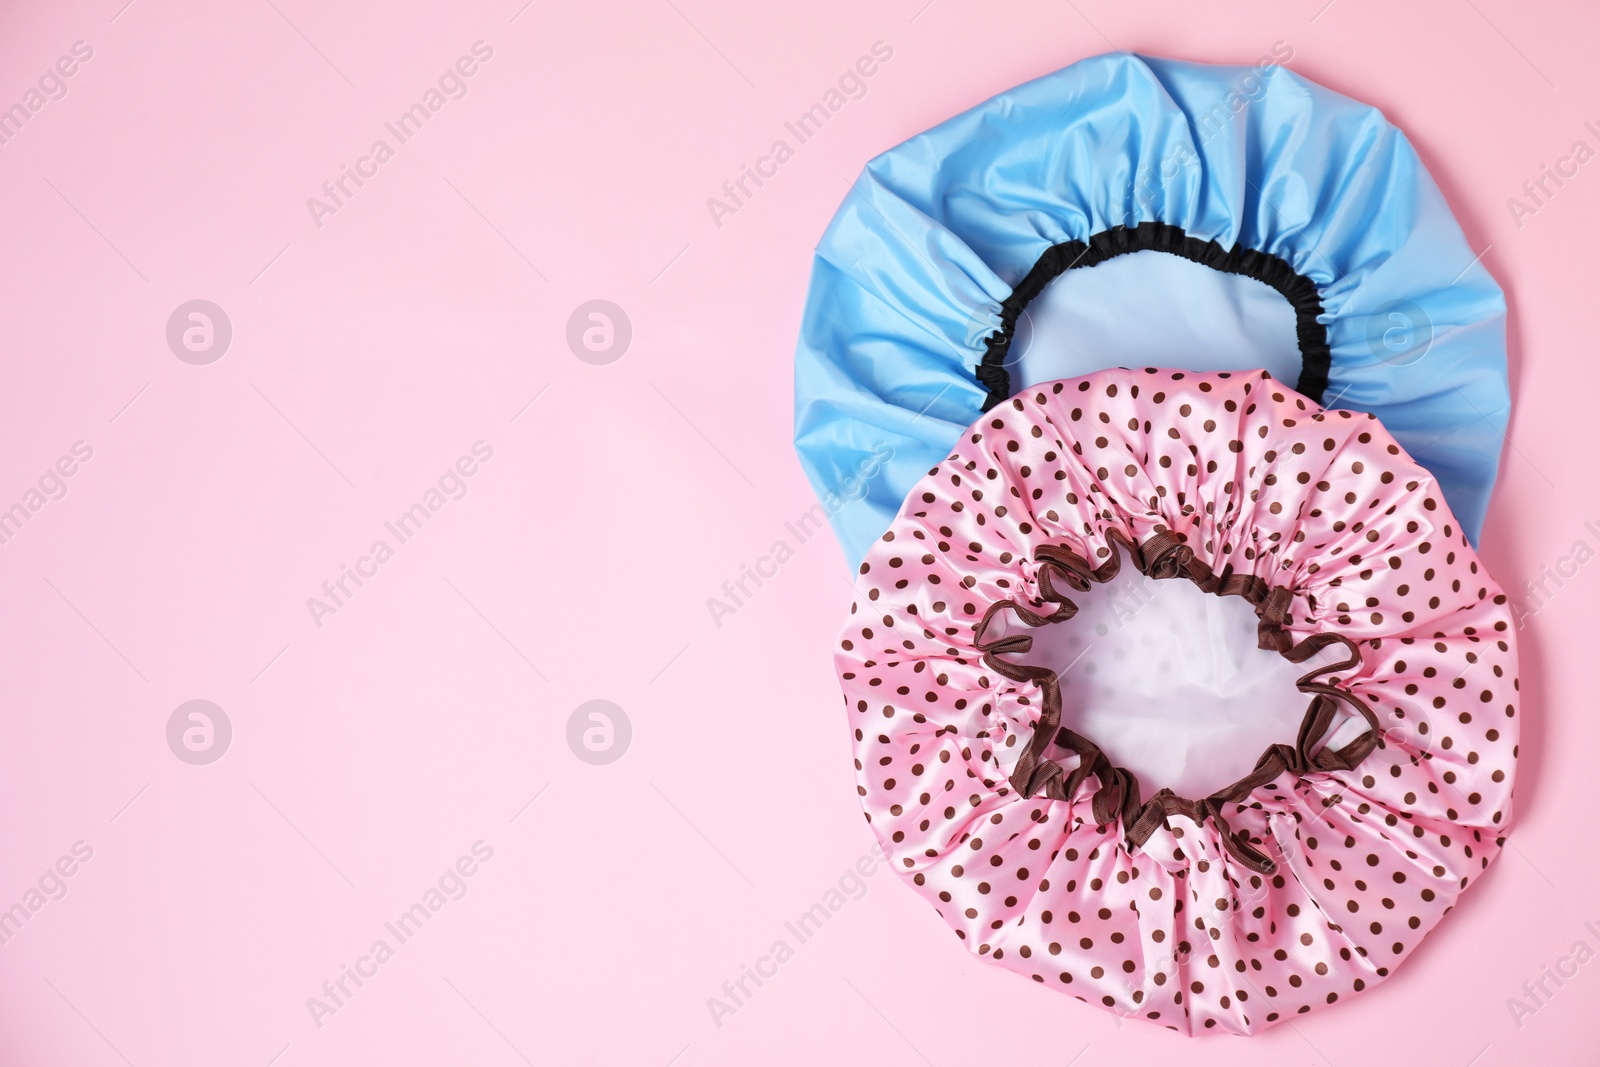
(909, 277)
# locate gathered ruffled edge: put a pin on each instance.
(1165, 555)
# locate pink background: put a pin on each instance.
(368, 354)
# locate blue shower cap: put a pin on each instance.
(1131, 211)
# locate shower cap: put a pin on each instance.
(1129, 210)
(1314, 874)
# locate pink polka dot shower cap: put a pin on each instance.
(1305, 880)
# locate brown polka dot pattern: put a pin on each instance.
(1255, 480)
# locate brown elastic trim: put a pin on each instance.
(1165, 555)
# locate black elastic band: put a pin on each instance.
(1300, 291)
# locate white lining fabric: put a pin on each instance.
(1168, 681)
(1153, 309)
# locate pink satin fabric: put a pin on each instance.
(1256, 480)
